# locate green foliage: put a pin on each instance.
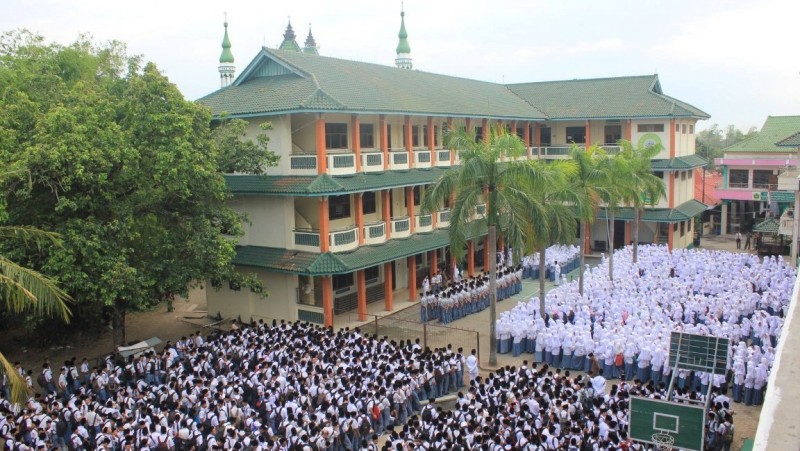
(239, 154)
(710, 142)
(125, 169)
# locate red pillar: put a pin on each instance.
(430, 139)
(587, 247)
(588, 134)
(409, 143)
(387, 217)
(670, 236)
(485, 128)
(358, 199)
(388, 294)
(412, 278)
(361, 286)
(433, 262)
(355, 133)
(324, 225)
(537, 138)
(384, 140)
(629, 131)
(322, 158)
(527, 138)
(671, 139)
(627, 232)
(327, 300)
(671, 190)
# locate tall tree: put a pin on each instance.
(591, 181)
(505, 186)
(125, 169)
(642, 187)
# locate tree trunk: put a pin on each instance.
(492, 295)
(635, 234)
(582, 252)
(122, 326)
(611, 246)
(542, 275)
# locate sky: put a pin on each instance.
(737, 60)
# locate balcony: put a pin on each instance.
(734, 185)
(424, 223)
(303, 164)
(443, 219)
(344, 240)
(443, 157)
(398, 160)
(375, 233)
(401, 227)
(422, 158)
(341, 164)
(555, 152)
(340, 241)
(480, 212)
(372, 162)
(611, 149)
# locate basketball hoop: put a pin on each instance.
(663, 441)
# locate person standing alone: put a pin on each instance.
(738, 240)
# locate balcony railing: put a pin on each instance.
(372, 162)
(612, 149)
(344, 240)
(733, 185)
(422, 158)
(341, 163)
(558, 152)
(303, 164)
(401, 227)
(443, 219)
(375, 233)
(424, 223)
(398, 160)
(306, 240)
(443, 157)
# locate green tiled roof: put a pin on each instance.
(319, 83)
(682, 212)
(679, 163)
(792, 141)
(775, 130)
(325, 184)
(307, 263)
(769, 225)
(622, 97)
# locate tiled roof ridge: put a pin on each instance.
(578, 80)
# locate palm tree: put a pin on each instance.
(23, 290)
(592, 182)
(646, 188)
(505, 187)
(556, 223)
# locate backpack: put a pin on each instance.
(365, 427)
(426, 414)
(70, 378)
(376, 412)
(40, 379)
(586, 400)
(162, 445)
(727, 435)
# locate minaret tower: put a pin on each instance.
(403, 60)
(227, 70)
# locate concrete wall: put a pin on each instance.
(280, 304)
(271, 220)
(639, 138)
(280, 140)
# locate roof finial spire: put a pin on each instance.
(311, 44)
(289, 41)
(403, 59)
(226, 68)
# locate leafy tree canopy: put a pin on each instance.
(110, 156)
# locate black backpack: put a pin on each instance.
(426, 413)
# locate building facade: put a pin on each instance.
(337, 224)
(750, 170)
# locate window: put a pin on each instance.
(677, 128)
(659, 174)
(367, 132)
(342, 281)
(521, 132)
(336, 136)
(478, 134)
(613, 134)
(545, 136)
(761, 178)
(683, 129)
(414, 136)
(738, 178)
(416, 196)
(691, 129)
(683, 176)
(435, 135)
(576, 135)
(368, 202)
(675, 227)
(371, 274)
(682, 229)
(339, 207)
(650, 128)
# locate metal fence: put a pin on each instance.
(403, 326)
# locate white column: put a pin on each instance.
(724, 219)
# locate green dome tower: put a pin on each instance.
(403, 60)
(227, 70)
